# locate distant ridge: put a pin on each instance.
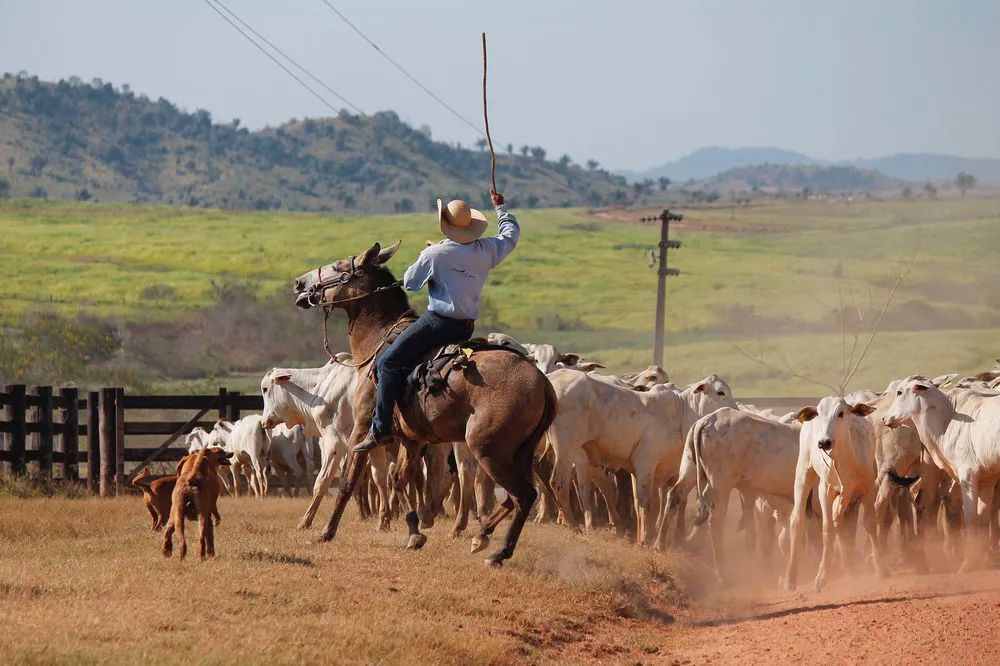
(72, 139)
(913, 167)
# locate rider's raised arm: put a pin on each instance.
(507, 236)
(417, 275)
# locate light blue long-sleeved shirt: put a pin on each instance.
(455, 272)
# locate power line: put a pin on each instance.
(365, 129)
(402, 69)
(283, 54)
(269, 55)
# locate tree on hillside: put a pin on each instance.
(564, 162)
(525, 150)
(37, 164)
(965, 181)
(930, 190)
(481, 144)
(510, 149)
(592, 164)
(664, 183)
(538, 153)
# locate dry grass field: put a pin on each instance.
(82, 580)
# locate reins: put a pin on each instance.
(341, 278)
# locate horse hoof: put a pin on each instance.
(326, 536)
(479, 543)
(304, 524)
(493, 563)
(456, 534)
(427, 523)
(416, 541)
(383, 525)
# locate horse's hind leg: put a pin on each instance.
(515, 477)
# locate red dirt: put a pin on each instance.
(903, 619)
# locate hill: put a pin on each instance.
(914, 167)
(815, 178)
(92, 141)
(707, 162)
(934, 167)
(193, 297)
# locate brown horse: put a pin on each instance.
(500, 405)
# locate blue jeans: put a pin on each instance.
(402, 356)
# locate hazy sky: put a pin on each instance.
(631, 84)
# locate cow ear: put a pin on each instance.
(386, 254)
(862, 409)
(920, 387)
(370, 256)
(569, 360)
(282, 379)
(806, 414)
(944, 380)
(588, 366)
(701, 388)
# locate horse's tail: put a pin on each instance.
(548, 416)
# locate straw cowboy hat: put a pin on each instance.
(459, 222)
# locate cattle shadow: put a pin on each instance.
(798, 610)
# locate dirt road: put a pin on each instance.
(938, 618)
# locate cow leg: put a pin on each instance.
(805, 479)
(542, 472)
(606, 485)
(466, 480)
(379, 472)
(826, 496)
(642, 484)
(870, 522)
(562, 482)
(994, 518)
(675, 507)
(973, 540)
(763, 515)
(224, 480)
(717, 524)
(328, 470)
(585, 490)
(748, 519)
(234, 469)
(204, 524)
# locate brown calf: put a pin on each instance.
(195, 494)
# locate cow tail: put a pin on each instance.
(694, 440)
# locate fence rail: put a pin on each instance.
(43, 431)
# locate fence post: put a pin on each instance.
(223, 403)
(19, 428)
(233, 409)
(43, 439)
(108, 432)
(119, 440)
(94, 440)
(71, 433)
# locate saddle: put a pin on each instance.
(432, 374)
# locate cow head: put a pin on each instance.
(344, 279)
(829, 421)
(914, 396)
(651, 376)
(712, 393)
(278, 404)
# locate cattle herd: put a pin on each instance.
(917, 459)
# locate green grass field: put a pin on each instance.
(765, 276)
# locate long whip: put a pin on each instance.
(486, 118)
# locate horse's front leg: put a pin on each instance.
(409, 459)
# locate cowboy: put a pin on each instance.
(454, 271)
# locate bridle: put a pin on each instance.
(317, 292)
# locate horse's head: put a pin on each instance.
(345, 279)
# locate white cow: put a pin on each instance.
(288, 447)
(837, 459)
(961, 431)
(249, 443)
(734, 449)
(198, 439)
(319, 399)
(546, 357)
(601, 425)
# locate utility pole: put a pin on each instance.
(663, 273)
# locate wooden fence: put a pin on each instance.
(45, 432)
